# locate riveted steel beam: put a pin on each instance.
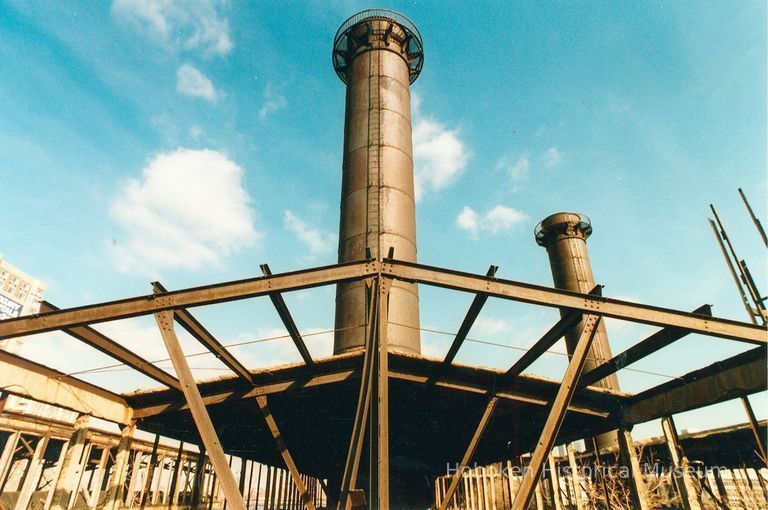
(196, 296)
(99, 341)
(202, 335)
(557, 298)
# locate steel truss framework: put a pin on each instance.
(735, 377)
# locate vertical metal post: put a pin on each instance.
(33, 475)
(557, 413)
(756, 221)
(352, 464)
(150, 472)
(759, 440)
(758, 310)
(283, 449)
(198, 411)
(382, 397)
(601, 474)
(197, 480)
(683, 481)
(120, 469)
(554, 480)
(69, 480)
(630, 460)
(173, 490)
(575, 476)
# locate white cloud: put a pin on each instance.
(272, 103)
(180, 24)
(496, 220)
(469, 220)
(318, 242)
(553, 158)
(502, 218)
(188, 208)
(490, 326)
(518, 170)
(439, 155)
(191, 82)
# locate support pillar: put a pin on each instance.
(681, 469)
(557, 412)
(69, 480)
(631, 461)
(759, 439)
(283, 449)
(198, 411)
(554, 482)
(575, 477)
(120, 469)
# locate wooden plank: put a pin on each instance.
(199, 413)
(557, 413)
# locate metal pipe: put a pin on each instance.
(756, 221)
(377, 54)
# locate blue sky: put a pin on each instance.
(191, 141)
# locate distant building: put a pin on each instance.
(20, 294)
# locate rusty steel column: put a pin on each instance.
(377, 54)
(564, 235)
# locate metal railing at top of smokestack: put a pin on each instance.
(584, 223)
(415, 42)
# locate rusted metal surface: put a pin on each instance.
(200, 414)
(352, 464)
(202, 335)
(753, 424)
(466, 325)
(196, 296)
(557, 298)
(19, 376)
(743, 374)
(261, 401)
(285, 316)
(378, 207)
(556, 414)
(113, 349)
(640, 350)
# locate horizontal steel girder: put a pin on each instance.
(505, 289)
(546, 296)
